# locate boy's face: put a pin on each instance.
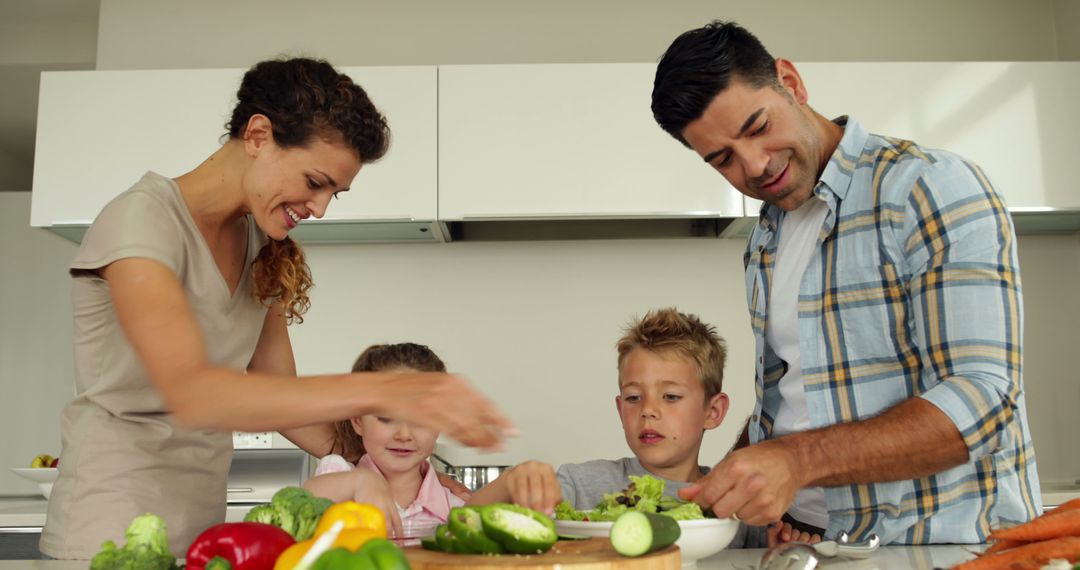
(662, 406)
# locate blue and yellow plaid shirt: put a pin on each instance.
(914, 291)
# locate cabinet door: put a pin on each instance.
(1016, 120)
(99, 131)
(565, 141)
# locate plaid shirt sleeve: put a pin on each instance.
(964, 286)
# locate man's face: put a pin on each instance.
(762, 140)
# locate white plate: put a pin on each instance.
(43, 476)
(36, 474)
(583, 528)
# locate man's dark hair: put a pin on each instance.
(700, 64)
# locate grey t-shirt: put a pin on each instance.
(584, 484)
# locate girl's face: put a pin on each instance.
(283, 186)
(397, 447)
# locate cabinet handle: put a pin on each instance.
(595, 216)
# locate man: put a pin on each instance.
(884, 294)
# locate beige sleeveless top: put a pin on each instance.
(123, 455)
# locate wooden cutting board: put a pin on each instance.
(591, 554)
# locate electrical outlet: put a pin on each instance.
(253, 440)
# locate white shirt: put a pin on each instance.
(798, 246)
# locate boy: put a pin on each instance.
(671, 370)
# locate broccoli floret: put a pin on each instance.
(108, 558)
(307, 516)
(291, 498)
(266, 514)
(147, 548)
(147, 531)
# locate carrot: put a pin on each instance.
(1028, 557)
(1004, 545)
(1042, 528)
(1066, 506)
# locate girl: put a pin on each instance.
(383, 460)
(182, 290)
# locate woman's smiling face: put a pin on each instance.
(284, 186)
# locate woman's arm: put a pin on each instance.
(274, 355)
(156, 318)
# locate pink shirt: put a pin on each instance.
(431, 505)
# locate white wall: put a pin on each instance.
(36, 363)
(533, 323)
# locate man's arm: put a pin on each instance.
(759, 482)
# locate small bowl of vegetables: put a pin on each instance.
(640, 519)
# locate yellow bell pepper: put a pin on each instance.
(352, 539)
(355, 515)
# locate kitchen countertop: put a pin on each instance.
(29, 511)
(887, 558)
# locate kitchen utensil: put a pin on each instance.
(789, 556)
(843, 547)
(592, 554)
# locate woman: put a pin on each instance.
(182, 291)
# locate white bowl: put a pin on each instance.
(698, 539)
(43, 476)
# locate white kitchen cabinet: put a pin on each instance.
(99, 131)
(565, 141)
(1017, 120)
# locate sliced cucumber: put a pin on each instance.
(466, 526)
(635, 533)
(518, 529)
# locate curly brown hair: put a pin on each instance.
(378, 358)
(305, 100)
(669, 331)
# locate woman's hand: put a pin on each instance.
(445, 402)
(371, 488)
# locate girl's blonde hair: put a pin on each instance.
(669, 331)
(378, 358)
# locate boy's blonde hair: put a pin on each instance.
(378, 358)
(669, 331)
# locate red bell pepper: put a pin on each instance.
(238, 546)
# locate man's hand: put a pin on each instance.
(757, 484)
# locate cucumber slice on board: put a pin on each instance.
(467, 527)
(518, 529)
(635, 533)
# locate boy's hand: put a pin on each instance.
(781, 532)
(533, 484)
(372, 489)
